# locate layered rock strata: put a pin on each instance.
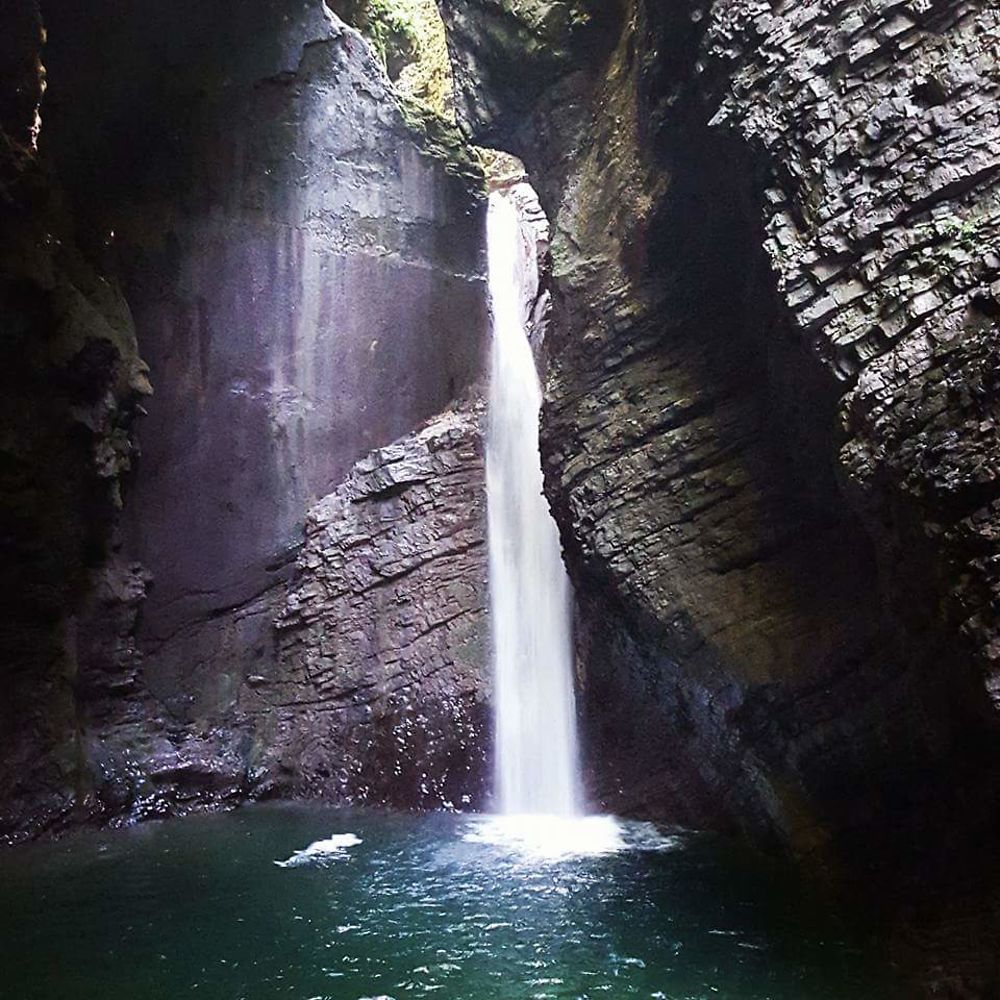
(305, 272)
(383, 648)
(770, 429)
(364, 680)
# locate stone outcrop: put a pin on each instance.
(883, 232)
(22, 76)
(362, 681)
(770, 429)
(383, 642)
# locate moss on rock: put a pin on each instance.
(409, 38)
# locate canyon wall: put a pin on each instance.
(303, 257)
(770, 429)
(306, 273)
(769, 437)
(72, 382)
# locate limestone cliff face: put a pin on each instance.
(770, 430)
(362, 680)
(306, 276)
(304, 264)
(883, 234)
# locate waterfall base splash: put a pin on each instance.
(551, 838)
(417, 909)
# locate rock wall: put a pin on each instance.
(384, 652)
(543, 40)
(304, 262)
(882, 230)
(71, 385)
(305, 275)
(770, 426)
(364, 680)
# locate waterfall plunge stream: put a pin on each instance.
(530, 598)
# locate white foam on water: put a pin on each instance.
(321, 852)
(649, 837)
(544, 839)
(549, 838)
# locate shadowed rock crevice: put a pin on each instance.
(71, 387)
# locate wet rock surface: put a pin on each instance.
(769, 434)
(363, 680)
(883, 233)
(306, 276)
(542, 39)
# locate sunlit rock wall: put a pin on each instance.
(305, 270)
(306, 279)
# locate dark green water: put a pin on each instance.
(197, 908)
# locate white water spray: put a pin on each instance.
(530, 594)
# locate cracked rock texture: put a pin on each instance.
(883, 233)
(304, 263)
(770, 430)
(364, 679)
(383, 641)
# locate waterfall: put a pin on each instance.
(530, 598)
